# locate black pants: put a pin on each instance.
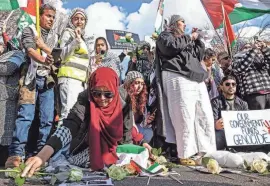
(258, 101)
(3, 155)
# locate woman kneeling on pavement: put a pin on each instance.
(92, 129)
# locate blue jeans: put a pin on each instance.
(146, 132)
(25, 117)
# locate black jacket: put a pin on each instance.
(181, 55)
(78, 121)
(219, 104)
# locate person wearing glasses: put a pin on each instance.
(92, 129)
(226, 101)
(73, 71)
(251, 69)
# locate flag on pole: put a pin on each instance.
(229, 35)
(159, 18)
(7, 5)
(237, 10)
(28, 12)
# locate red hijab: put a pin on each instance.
(106, 124)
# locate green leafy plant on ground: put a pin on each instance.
(74, 175)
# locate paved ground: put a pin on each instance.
(188, 177)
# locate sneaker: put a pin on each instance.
(13, 161)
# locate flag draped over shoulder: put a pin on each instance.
(237, 10)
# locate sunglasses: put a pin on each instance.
(228, 84)
(98, 94)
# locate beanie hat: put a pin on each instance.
(133, 75)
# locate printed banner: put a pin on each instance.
(119, 39)
(244, 128)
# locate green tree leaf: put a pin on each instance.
(19, 181)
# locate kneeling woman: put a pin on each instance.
(91, 130)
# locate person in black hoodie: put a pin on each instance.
(185, 91)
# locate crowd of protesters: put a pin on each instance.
(88, 103)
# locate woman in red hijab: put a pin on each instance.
(92, 129)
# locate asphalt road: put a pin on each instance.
(188, 177)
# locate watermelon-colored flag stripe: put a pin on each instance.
(8, 4)
(236, 14)
(31, 7)
(228, 31)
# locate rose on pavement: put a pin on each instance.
(259, 166)
(213, 166)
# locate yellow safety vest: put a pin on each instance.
(76, 65)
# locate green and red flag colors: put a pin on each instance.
(8, 5)
(159, 18)
(237, 10)
(230, 38)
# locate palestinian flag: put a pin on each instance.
(128, 152)
(229, 35)
(28, 14)
(159, 18)
(237, 10)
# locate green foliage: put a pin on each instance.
(205, 161)
(19, 181)
(75, 175)
(116, 173)
(156, 152)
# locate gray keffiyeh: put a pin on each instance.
(170, 24)
(72, 14)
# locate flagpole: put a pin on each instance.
(211, 21)
(225, 28)
(37, 20)
(9, 16)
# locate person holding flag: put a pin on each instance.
(35, 85)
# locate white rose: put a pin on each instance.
(213, 166)
(75, 175)
(259, 165)
(161, 160)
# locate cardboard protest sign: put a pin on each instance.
(119, 39)
(244, 128)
